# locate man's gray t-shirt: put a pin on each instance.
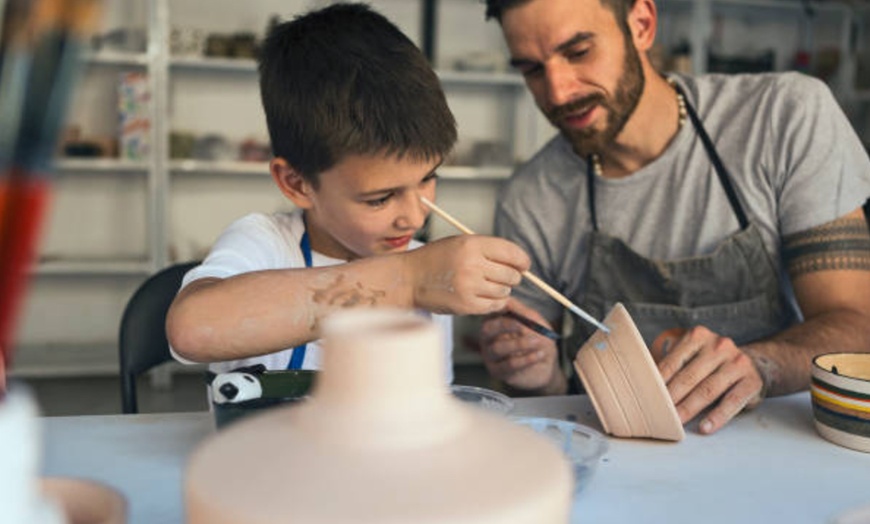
(792, 155)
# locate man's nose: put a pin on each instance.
(560, 84)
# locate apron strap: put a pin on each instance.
(721, 171)
(718, 166)
(298, 355)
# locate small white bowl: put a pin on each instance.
(583, 446)
(483, 398)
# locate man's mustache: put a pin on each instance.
(581, 104)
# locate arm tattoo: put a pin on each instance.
(843, 243)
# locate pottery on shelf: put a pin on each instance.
(380, 440)
(624, 384)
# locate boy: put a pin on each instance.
(358, 125)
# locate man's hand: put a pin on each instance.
(702, 370)
(520, 357)
(466, 274)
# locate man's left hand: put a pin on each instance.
(705, 370)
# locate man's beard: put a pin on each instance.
(619, 109)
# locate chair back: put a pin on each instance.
(142, 342)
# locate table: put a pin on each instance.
(768, 465)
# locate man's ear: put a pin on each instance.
(642, 19)
(291, 182)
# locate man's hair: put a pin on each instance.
(620, 9)
(344, 81)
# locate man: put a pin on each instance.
(723, 211)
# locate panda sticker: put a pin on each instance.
(235, 387)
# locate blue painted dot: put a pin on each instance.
(600, 346)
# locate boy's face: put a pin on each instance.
(369, 205)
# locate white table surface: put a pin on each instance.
(767, 466)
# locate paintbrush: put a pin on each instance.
(45, 60)
(546, 288)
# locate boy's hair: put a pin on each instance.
(620, 8)
(344, 81)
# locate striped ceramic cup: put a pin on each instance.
(841, 398)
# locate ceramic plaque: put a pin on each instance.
(624, 384)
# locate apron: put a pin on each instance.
(734, 291)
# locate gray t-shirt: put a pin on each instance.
(793, 158)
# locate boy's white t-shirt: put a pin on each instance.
(258, 242)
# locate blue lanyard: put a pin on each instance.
(299, 351)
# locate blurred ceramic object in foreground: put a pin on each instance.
(841, 398)
(859, 515)
(583, 446)
(624, 384)
(20, 441)
(86, 502)
(381, 439)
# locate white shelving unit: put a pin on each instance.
(174, 208)
(115, 222)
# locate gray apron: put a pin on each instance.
(734, 291)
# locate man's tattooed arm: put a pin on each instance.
(829, 267)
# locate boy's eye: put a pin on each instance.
(429, 178)
(378, 202)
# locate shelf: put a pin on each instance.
(480, 79)
(93, 267)
(243, 65)
(215, 167)
(474, 173)
(205, 167)
(782, 5)
(100, 165)
(115, 58)
(206, 63)
(65, 360)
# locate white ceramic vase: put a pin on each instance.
(381, 440)
(20, 450)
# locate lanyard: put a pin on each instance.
(299, 351)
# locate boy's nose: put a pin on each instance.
(412, 215)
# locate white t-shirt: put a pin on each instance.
(258, 242)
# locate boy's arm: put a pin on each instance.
(266, 311)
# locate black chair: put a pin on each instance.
(142, 342)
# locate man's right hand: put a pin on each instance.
(466, 274)
(520, 357)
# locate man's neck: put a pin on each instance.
(648, 132)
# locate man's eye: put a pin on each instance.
(577, 55)
(530, 71)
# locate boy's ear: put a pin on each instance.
(291, 182)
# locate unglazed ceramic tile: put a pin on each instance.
(624, 384)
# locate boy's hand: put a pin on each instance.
(520, 357)
(466, 274)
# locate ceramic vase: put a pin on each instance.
(380, 440)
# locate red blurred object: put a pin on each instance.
(23, 201)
